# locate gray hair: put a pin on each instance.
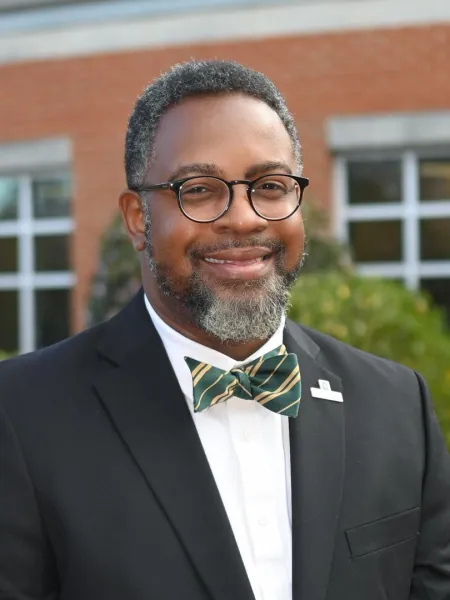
(194, 78)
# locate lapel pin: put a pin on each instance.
(324, 392)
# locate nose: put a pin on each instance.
(240, 218)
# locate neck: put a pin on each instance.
(179, 318)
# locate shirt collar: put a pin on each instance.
(178, 346)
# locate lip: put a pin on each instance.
(245, 265)
(240, 254)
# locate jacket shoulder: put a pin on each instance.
(376, 391)
(29, 374)
(341, 357)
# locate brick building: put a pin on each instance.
(368, 82)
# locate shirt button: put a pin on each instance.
(247, 435)
(262, 521)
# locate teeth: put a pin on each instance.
(222, 262)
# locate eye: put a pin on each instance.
(270, 188)
(272, 185)
(196, 189)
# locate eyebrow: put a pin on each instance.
(196, 169)
(213, 170)
(268, 167)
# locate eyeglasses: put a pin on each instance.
(205, 199)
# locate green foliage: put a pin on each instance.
(4, 355)
(323, 253)
(383, 318)
(118, 275)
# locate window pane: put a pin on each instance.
(51, 253)
(8, 255)
(434, 179)
(9, 198)
(52, 316)
(9, 321)
(51, 198)
(374, 182)
(439, 289)
(376, 241)
(435, 239)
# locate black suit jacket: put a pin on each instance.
(106, 493)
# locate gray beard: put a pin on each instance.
(253, 311)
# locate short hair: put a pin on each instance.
(194, 78)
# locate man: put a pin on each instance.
(198, 445)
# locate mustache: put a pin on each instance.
(275, 246)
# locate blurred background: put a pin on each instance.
(369, 84)
(367, 80)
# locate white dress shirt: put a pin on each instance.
(247, 448)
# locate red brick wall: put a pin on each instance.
(89, 99)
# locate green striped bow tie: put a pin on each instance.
(273, 380)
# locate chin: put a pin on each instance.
(230, 287)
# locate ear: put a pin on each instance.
(130, 204)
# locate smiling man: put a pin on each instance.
(200, 445)
(228, 236)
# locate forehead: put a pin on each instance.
(232, 131)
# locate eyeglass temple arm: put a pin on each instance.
(151, 188)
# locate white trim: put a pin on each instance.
(374, 212)
(10, 228)
(36, 227)
(35, 154)
(47, 281)
(382, 269)
(185, 28)
(340, 206)
(434, 269)
(39, 281)
(430, 210)
(410, 229)
(26, 259)
(425, 270)
(399, 130)
(10, 281)
(27, 336)
(51, 226)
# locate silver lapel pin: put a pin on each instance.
(324, 392)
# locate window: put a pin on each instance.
(35, 270)
(394, 211)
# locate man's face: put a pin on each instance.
(234, 137)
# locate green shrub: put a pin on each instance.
(384, 318)
(4, 355)
(118, 275)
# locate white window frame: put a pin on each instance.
(410, 211)
(26, 281)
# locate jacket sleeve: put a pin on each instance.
(431, 579)
(26, 561)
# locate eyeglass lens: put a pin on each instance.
(273, 197)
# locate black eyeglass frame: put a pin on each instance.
(175, 186)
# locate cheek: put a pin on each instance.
(172, 234)
(291, 233)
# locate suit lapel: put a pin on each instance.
(142, 396)
(317, 467)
